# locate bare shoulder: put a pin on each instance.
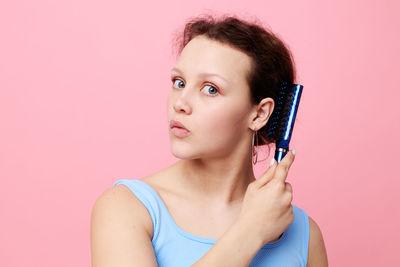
(121, 230)
(120, 200)
(317, 255)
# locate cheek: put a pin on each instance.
(169, 98)
(222, 121)
(170, 104)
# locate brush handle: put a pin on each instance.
(282, 145)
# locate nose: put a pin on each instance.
(181, 104)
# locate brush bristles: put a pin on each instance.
(278, 121)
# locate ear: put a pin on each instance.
(261, 113)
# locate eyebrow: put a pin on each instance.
(204, 74)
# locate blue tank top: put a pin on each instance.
(173, 247)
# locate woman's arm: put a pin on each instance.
(317, 256)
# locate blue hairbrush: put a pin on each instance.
(284, 115)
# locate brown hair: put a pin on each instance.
(272, 65)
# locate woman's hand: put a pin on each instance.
(266, 209)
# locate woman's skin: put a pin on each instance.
(204, 190)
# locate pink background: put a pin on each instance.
(83, 104)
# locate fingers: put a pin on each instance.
(288, 187)
(282, 169)
(276, 171)
(289, 190)
(267, 175)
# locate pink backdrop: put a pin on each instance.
(83, 103)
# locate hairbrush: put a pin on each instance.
(284, 115)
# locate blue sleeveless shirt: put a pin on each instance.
(173, 247)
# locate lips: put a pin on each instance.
(177, 124)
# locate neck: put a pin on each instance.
(222, 181)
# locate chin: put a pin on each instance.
(181, 152)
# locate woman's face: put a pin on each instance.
(211, 98)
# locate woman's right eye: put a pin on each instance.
(177, 82)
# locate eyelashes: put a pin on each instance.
(215, 89)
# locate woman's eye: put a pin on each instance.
(211, 89)
(179, 82)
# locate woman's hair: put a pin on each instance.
(272, 61)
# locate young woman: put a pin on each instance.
(208, 209)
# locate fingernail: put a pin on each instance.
(294, 151)
(272, 162)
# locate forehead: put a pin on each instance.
(202, 54)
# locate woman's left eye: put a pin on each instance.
(212, 89)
